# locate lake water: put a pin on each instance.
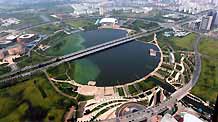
(116, 66)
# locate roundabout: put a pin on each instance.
(128, 108)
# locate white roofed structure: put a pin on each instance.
(190, 118)
(26, 36)
(11, 37)
(108, 20)
(168, 118)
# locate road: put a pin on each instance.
(175, 97)
(71, 54)
(29, 70)
(28, 27)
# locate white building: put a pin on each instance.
(190, 118)
(11, 37)
(9, 21)
(168, 118)
(108, 21)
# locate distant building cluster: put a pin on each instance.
(15, 45)
(206, 23)
(9, 21)
(193, 6)
(12, 50)
(102, 7)
(85, 8)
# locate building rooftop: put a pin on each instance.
(11, 37)
(108, 20)
(169, 118)
(26, 36)
(190, 118)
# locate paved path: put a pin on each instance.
(175, 97)
(56, 88)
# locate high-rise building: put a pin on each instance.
(214, 15)
(101, 11)
(210, 23)
(204, 23)
(195, 25)
(216, 21)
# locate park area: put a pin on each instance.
(207, 86)
(33, 100)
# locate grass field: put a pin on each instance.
(34, 59)
(81, 23)
(207, 85)
(120, 91)
(183, 43)
(4, 69)
(139, 24)
(26, 102)
(209, 47)
(58, 72)
(178, 43)
(146, 85)
(47, 29)
(132, 90)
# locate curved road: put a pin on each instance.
(175, 97)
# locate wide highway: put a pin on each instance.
(29, 70)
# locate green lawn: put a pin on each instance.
(58, 72)
(4, 69)
(207, 85)
(25, 102)
(132, 90)
(121, 92)
(146, 85)
(67, 88)
(81, 22)
(178, 43)
(136, 25)
(47, 29)
(209, 47)
(35, 58)
(184, 43)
